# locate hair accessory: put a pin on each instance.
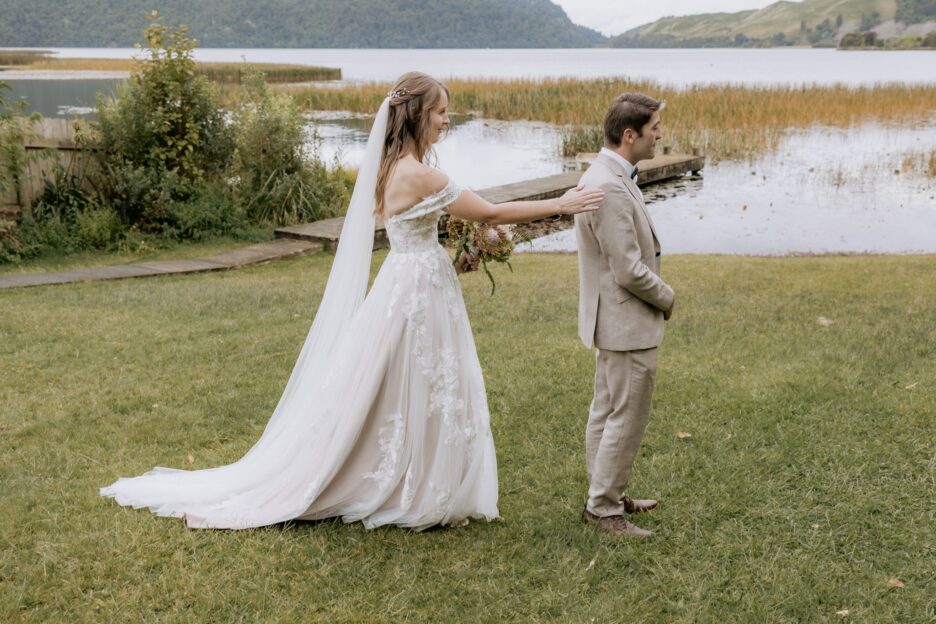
(399, 92)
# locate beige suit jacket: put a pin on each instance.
(621, 294)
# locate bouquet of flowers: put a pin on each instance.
(476, 244)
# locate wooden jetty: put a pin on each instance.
(662, 167)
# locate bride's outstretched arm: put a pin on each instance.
(472, 207)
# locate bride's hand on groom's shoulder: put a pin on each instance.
(580, 199)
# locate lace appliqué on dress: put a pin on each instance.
(391, 444)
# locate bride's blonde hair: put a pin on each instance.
(412, 98)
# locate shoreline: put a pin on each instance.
(62, 74)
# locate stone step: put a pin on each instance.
(265, 252)
(326, 233)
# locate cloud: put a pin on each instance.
(612, 17)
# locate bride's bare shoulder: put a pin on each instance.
(411, 182)
(420, 177)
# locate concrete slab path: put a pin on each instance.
(254, 254)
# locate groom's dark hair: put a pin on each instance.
(628, 110)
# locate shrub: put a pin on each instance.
(211, 212)
(98, 228)
(16, 243)
(14, 128)
(173, 165)
(276, 181)
(163, 135)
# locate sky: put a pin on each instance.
(612, 17)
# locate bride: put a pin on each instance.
(384, 419)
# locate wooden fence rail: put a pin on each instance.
(50, 144)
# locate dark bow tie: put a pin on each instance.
(634, 173)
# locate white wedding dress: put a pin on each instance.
(384, 419)
(396, 433)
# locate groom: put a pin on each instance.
(623, 303)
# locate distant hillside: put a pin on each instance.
(811, 22)
(298, 23)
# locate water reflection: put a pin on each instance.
(824, 191)
(477, 152)
(52, 98)
(69, 98)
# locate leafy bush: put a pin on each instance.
(173, 166)
(163, 135)
(16, 243)
(276, 181)
(14, 128)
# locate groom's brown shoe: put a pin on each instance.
(638, 505)
(615, 525)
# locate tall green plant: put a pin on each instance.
(14, 130)
(10, 145)
(277, 181)
(15, 242)
(164, 136)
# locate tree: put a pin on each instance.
(163, 134)
(870, 21)
(850, 40)
(275, 180)
(915, 11)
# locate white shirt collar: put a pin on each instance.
(628, 168)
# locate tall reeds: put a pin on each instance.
(725, 121)
(273, 73)
(21, 57)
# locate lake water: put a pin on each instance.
(51, 94)
(679, 67)
(69, 98)
(477, 152)
(824, 190)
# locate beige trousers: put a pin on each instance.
(616, 422)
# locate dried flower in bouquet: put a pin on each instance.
(476, 244)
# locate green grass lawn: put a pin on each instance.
(807, 483)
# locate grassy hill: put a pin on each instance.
(782, 23)
(298, 23)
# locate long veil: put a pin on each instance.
(238, 495)
(347, 282)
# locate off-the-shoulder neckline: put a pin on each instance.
(424, 200)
